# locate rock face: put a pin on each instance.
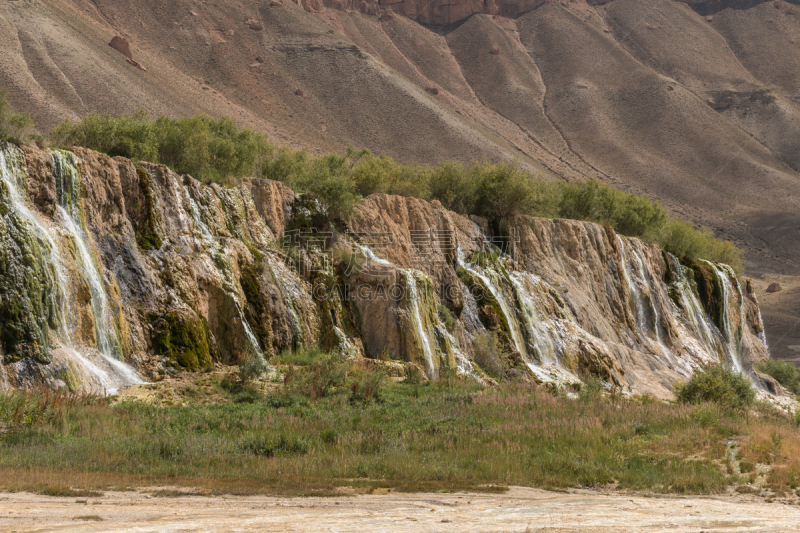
(132, 268)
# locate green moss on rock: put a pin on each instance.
(710, 290)
(67, 375)
(255, 312)
(28, 292)
(147, 236)
(185, 339)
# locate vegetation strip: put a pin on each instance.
(217, 150)
(319, 431)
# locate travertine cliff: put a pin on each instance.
(105, 261)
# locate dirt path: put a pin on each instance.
(520, 510)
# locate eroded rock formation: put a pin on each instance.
(111, 266)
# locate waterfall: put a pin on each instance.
(643, 305)
(207, 241)
(762, 335)
(14, 197)
(539, 326)
(71, 218)
(707, 334)
(539, 338)
(491, 279)
(51, 269)
(4, 382)
(412, 297)
(729, 303)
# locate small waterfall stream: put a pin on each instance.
(70, 211)
(414, 309)
(643, 304)
(13, 176)
(90, 374)
(67, 172)
(692, 308)
(539, 338)
(207, 241)
(732, 300)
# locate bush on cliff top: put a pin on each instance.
(217, 150)
(210, 149)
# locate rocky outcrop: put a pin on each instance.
(132, 262)
(774, 287)
(121, 45)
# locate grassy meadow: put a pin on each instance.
(225, 437)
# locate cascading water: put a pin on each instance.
(710, 345)
(436, 341)
(70, 211)
(540, 339)
(71, 217)
(762, 336)
(648, 321)
(208, 242)
(730, 303)
(492, 280)
(538, 326)
(293, 298)
(45, 266)
(29, 262)
(412, 296)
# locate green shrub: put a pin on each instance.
(784, 372)
(489, 354)
(502, 191)
(320, 378)
(207, 148)
(684, 241)
(284, 445)
(718, 384)
(255, 367)
(454, 187)
(367, 386)
(627, 213)
(248, 395)
(301, 356)
(326, 179)
(13, 126)
(132, 136)
(285, 399)
(591, 389)
(447, 318)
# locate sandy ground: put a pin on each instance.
(520, 510)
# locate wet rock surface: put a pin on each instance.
(160, 271)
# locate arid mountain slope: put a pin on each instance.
(694, 103)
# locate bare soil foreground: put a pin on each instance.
(519, 510)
